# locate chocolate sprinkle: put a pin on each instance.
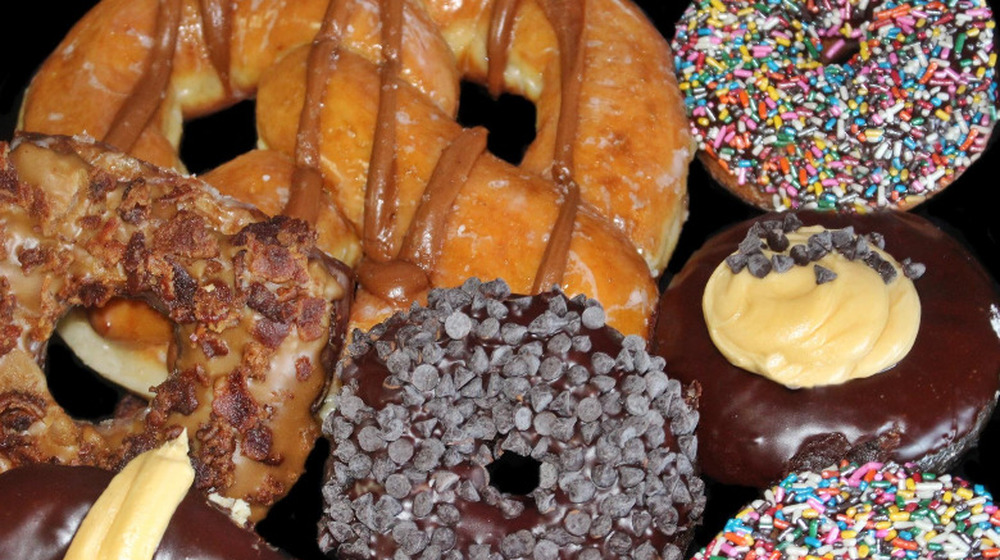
(611, 435)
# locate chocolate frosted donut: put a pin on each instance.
(52, 500)
(489, 426)
(928, 408)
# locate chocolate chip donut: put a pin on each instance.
(928, 408)
(489, 426)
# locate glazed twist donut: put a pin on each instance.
(258, 315)
(359, 97)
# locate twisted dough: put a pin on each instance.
(258, 315)
(359, 97)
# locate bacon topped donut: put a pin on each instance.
(257, 315)
(356, 106)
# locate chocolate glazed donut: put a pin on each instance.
(258, 315)
(52, 501)
(928, 408)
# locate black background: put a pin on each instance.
(966, 209)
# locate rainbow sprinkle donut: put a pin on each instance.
(844, 105)
(874, 511)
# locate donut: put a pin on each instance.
(845, 105)
(53, 501)
(928, 408)
(870, 510)
(258, 315)
(487, 425)
(416, 196)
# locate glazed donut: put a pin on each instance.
(328, 77)
(846, 105)
(495, 426)
(928, 408)
(258, 315)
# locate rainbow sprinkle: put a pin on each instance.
(874, 511)
(840, 104)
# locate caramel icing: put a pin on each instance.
(143, 101)
(380, 220)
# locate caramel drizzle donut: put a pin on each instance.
(631, 198)
(258, 315)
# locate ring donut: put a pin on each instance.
(491, 425)
(258, 315)
(844, 105)
(327, 78)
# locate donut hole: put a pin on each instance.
(514, 474)
(214, 139)
(79, 390)
(509, 118)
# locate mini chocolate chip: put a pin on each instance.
(551, 368)
(751, 244)
(913, 270)
(823, 274)
(737, 262)
(370, 439)
(790, 222)
(602, 363)
(425, 377)
(842, 238)
(512, 333)
(857, 249)
(517, 545)
(777, 240)
(400, 451)
(577, 523)
(589, 409)
(759, 265)
(800, 254)
(877, 239)
(781, 263)
(887, 271)
(593, 317)
(819, 245)
(397, 486)
(546, 550)
(458, 325)
(487, 328)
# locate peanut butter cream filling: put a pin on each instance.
(817, 315)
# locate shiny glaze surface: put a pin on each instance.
(941, 393)
(52, 500)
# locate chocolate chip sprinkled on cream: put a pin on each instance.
(771, 235)
(823, 274)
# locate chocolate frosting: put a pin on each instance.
(929, 408)
(52, 500)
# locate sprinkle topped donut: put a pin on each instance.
(873, 510)
(840, 105)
